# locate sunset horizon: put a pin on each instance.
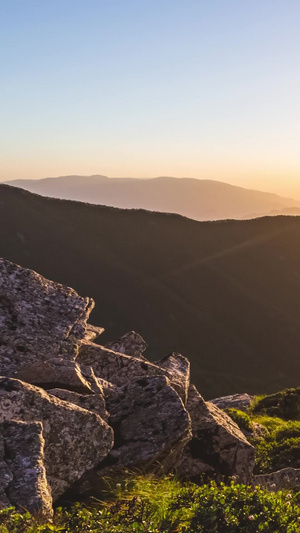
(202, 90)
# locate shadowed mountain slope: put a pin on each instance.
(225, 294)
(196, 199)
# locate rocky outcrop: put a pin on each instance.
(39, 319)
(235, 401)
(53, 373)
(75, 439)
(178, 368)
(120, 369)
(218, 446)
(23, 481)
(91, 402)
(130, 344)
(91, 410)
(150, 423)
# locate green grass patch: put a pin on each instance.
(284, 404)
(242, 419)
(280, 448)
(151, 505)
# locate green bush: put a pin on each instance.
(151, 505)
(242, 419)
(284, 404)
(280, 448)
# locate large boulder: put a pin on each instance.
(23, 481)
(236, 401)
(150, 423)
(218, 446)
(39, 319)
(56, 372)
(75, 439)
(151, 428)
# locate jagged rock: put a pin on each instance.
(119, 369)
(92, 332)
(115, 367)
(75, 439)
(55, 373)
(178, 367)
(91, 402)
(39, 319)
(150, 423)
(129, 344)
(236, 401)
(25, 482)
(217, 445)
(287, 478)
(97, 385)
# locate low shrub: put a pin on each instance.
(151, 505)
(280, 448)
(284, 404)
(242, 419)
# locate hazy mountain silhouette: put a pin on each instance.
(226, 294)
(196, 199)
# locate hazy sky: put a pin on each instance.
(142, 88)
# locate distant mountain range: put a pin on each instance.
(226, 293)
(193, 198)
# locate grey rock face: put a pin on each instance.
(236, 401)
(129, 344)
(287, 478)
(217, 443)
(178, 370)
(25, 476)
(97, 385)
(115, 367)
(91, 402)
(119, 369)
(150, 423)
(55, 372)
(39, 319)
(75, 439)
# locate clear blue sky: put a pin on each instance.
(206, 89)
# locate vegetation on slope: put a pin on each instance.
(279, 446)
(150, 505)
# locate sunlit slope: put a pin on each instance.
(196, 199)
(226, 294)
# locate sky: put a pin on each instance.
(208, 89)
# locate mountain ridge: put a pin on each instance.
(224, 293)
(197, 199)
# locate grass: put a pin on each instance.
(243, 420)
(145, 504)
(284, 404)
(280, 414)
